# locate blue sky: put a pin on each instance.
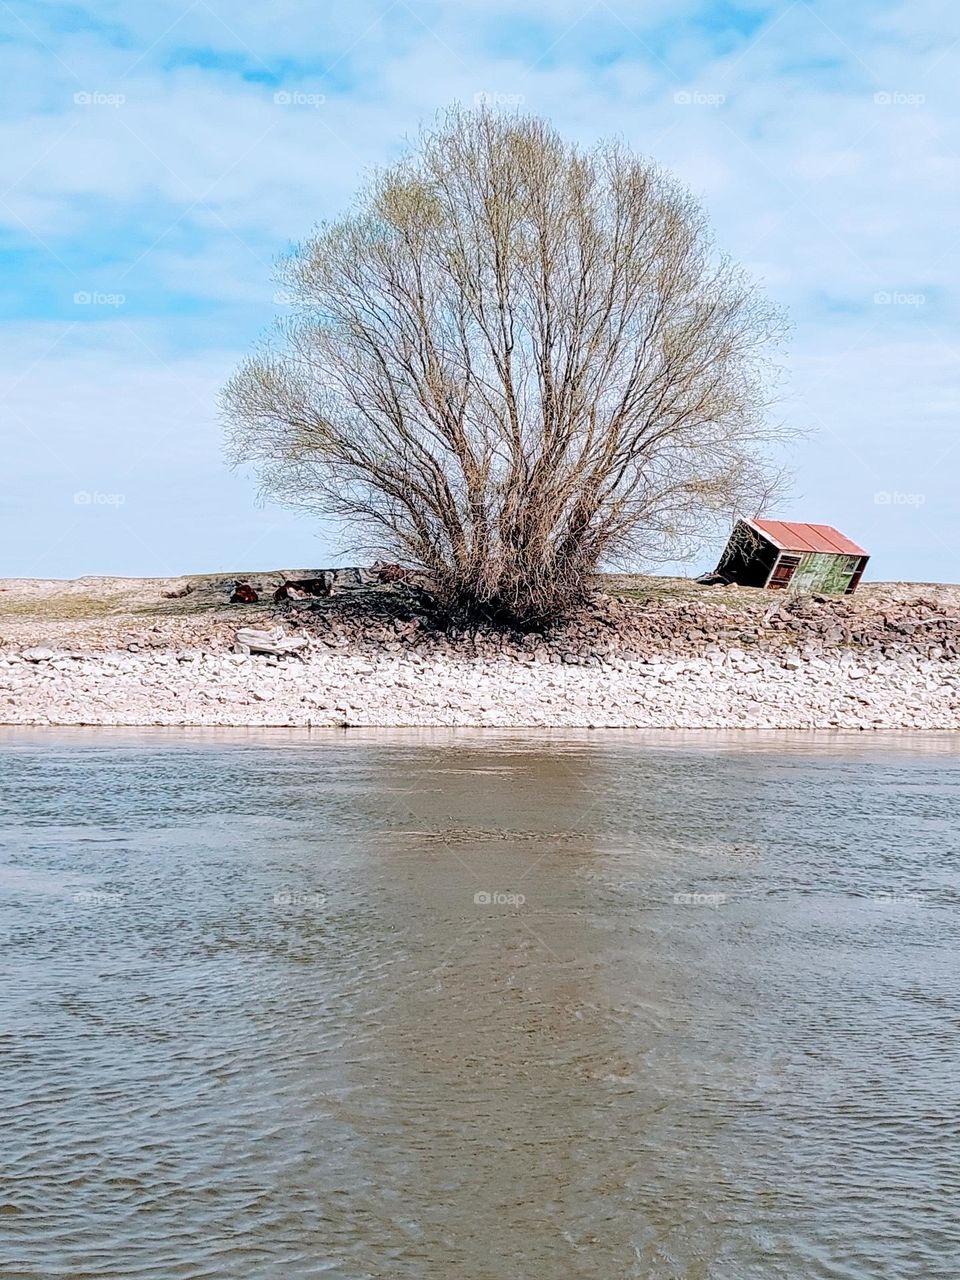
(158, 158)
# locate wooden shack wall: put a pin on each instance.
(824, 571)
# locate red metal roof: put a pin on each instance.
(789, 535)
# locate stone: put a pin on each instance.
(387, 669)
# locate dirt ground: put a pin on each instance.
(100, 612)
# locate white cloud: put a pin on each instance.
(828, 194)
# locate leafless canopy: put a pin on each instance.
(514, 361)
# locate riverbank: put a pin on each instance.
(649, 653)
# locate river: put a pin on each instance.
(475, 1006)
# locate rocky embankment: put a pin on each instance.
(657, 653)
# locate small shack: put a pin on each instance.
(786, 555)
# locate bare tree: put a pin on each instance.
(514, 361)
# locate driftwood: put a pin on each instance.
(390, 572)
(252, 640)
(302, 588)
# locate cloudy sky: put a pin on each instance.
(157, 158)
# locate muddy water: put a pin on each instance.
(479, 1006)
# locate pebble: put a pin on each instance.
(39, 653)
(772, 691)
(695, 662)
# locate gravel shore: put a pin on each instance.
(732, 690)
(674, 659)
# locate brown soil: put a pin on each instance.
(631, 613)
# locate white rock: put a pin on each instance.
(39, 653)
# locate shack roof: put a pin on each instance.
(790, 535)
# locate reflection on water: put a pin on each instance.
(479, 1006)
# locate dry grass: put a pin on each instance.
(91, 612)
(58, 608)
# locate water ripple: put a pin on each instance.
(477, 1007)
